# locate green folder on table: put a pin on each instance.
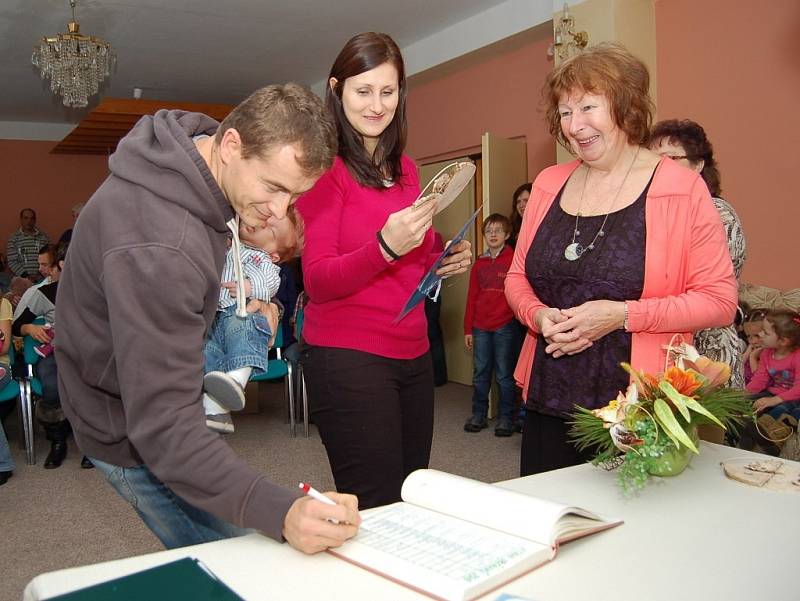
(182, 580)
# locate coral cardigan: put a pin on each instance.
(688, 281)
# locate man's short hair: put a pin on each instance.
(50, 251)
(281, 115)
(23, 211)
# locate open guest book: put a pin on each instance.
(454, 538)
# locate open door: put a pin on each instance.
(504, 166)
(453, 294)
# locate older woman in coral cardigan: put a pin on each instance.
(620, 250)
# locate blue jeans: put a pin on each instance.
(792, 409)
(6, 460)
(175, 522)
(494, 350)
(236, 342)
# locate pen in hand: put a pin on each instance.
(315, 494)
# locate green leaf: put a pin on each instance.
(678, 399)
(695, 406)
(671, 426)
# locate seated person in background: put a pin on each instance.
(47, 262)
(752, 326)
(5, 276)
(777, 380)
(6, 461)
(489, 328)
(67, 235)
(238, 341)
(685, 143)
(42, 303)
(776, 384)
(5, 343)
(16, 290)
(23, 246)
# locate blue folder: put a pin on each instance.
(430, 280)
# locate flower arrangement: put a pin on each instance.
(651, 429)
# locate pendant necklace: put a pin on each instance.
(575, 250)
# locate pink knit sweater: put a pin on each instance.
(354, 293)
(688, 283)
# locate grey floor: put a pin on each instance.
(54, 519)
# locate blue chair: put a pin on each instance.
(11, 390)
(276, 369)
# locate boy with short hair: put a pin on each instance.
(489, 329)
(238, 341)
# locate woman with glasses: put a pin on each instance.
(685, 142)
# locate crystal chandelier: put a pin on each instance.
(75, 63)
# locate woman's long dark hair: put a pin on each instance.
(516, 218)
(362, 53)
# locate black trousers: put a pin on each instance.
(375, 417)
(48, 410)
(545, 445)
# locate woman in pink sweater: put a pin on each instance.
(619, 251)
(370, 381)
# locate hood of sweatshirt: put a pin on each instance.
(181, 176)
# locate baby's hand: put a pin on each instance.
(231, 288)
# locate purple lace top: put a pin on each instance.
(613, 270)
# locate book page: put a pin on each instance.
(445, 556)
(498, 508)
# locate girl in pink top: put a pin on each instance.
(370, 381)
(777, 378)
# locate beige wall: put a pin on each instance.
(734, 67)
(498, 91)
(48, 183)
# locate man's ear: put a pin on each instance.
(332, 84)
(230, 146)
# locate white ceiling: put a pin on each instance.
(219, 51)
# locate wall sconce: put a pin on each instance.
(566, 41)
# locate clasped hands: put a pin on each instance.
(571, 331)
(405, 230)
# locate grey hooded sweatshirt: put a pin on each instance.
(136, 298)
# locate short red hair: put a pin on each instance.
(607, 69)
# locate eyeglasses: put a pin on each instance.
(676, 157)
(494, 230)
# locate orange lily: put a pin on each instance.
(685, 382)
